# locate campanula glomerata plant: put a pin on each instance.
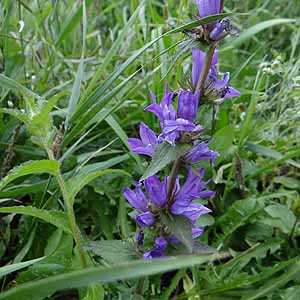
(163, 205)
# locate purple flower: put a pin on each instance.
(221, 29)
(197, 231)
(164, 110)
(214, 87)
(136, 198)
(208, 7)
(201, 152)
(156, 191)
(171, 123)
(147, 144)
(192, 189)
(188, 105)
(157, 252)
(145, 219)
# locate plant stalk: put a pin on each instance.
(173, 176)
(209, 56)
(70, 213)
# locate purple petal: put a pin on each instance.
(161, 243)
(179, 125)
(231, 93)
(156, 110)
(145, 219)
(155, 190)
(147, 135)
(218, 32)
(195, 210)
(188, 105)
(223, 83)
(137, 199)
(201, 152)
(154, 253)
(197, 231)
(198, 58)
(208, 7)
(138, 147)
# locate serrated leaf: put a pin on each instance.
(165, 154)
(15, 267)
(179, 226)
(54, 217)
(115, 251)
(31, 167)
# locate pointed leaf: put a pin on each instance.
(163, 155)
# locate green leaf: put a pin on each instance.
(71, 21)
(252, 31)
(31, 167)
(289, 182)
(95, 292)
(80, 72)
(179, 226)
(269, 153)
(292, 293)
(284, 218)
(165, 154)
(16, 113)
(198, 249)
(223, 141)
(274, 284)
(236, 216)
(15, 267)
(115, 251)
(194, 24)
(115, 47)
(54, 217)
(14, 85)
(75, 184)
(47, 286)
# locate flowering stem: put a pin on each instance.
(204, 73)
(70, 213)
(173, 176)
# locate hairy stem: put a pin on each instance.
(71, 214)
(209, 56)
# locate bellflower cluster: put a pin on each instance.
(173, 197)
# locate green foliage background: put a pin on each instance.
(92, 74)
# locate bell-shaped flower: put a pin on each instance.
(201, 152)
(138, 200)
(156, 190)
(188, 103)
(147, 144)
(173, 123)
